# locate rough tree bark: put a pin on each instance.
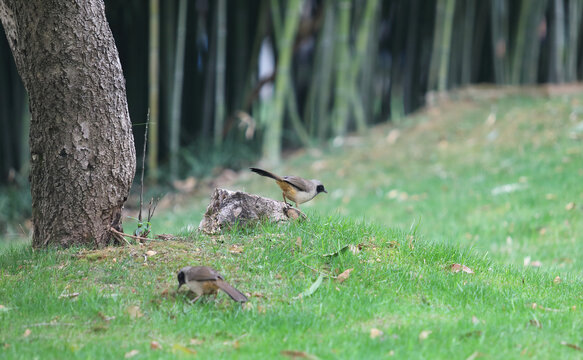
(82, 149)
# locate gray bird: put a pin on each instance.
(203, 280)
(295, 188)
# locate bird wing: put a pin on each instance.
(201, 273)
(298, 182)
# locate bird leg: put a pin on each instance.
(195, 299)
(285, 200)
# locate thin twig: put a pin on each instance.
(143, 165)
(318, 271)
(151, 208)
(128, 235)
(119, 237)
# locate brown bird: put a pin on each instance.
(295, 188)
(203, 280)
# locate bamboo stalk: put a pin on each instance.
(274, 131)
(177, 88)
(154, 88)
(220, 71)
(342, 91)
(446, 45)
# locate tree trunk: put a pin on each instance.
(82, 149)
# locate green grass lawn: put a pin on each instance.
(489, 184)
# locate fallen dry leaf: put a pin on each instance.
(424, 334)
(4, 308)
(535, 323)
(345, 274)
(475, 320)
(295, 354)
(557, 280)
(151, 253)
(134, 312)
(195, 341)
(299, 242)
(570, 206)
(235, 249)
(131, 354)
(475, 333)
(27, 333)
(572, 346)
(183, 349)
(154, 345)
(68, 296)
(355, 249)
(375, 333)
(235, 344)
(456, 268)
(105, 317)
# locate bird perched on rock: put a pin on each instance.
(203, 280)
(295, 188)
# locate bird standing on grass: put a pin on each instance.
(295, 188)
(203, 280)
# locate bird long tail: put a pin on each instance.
(265, 173)
(231, 291)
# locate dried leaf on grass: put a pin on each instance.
(4, 308)
(570, 206)
(537, 306)
(154, 345)
(572, 346)
(131, 354)
(535, 323)
(423, 335)
(183, 349)
(312, 289)
(236, 249)
(151, 253)
(299, 243)
(195, 341)
(296, 354)
(27, 333)
(134, 312)
(344, 275)
(456, 268)
(69, 296)
(375, 333)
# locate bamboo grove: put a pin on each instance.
(253, 78)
